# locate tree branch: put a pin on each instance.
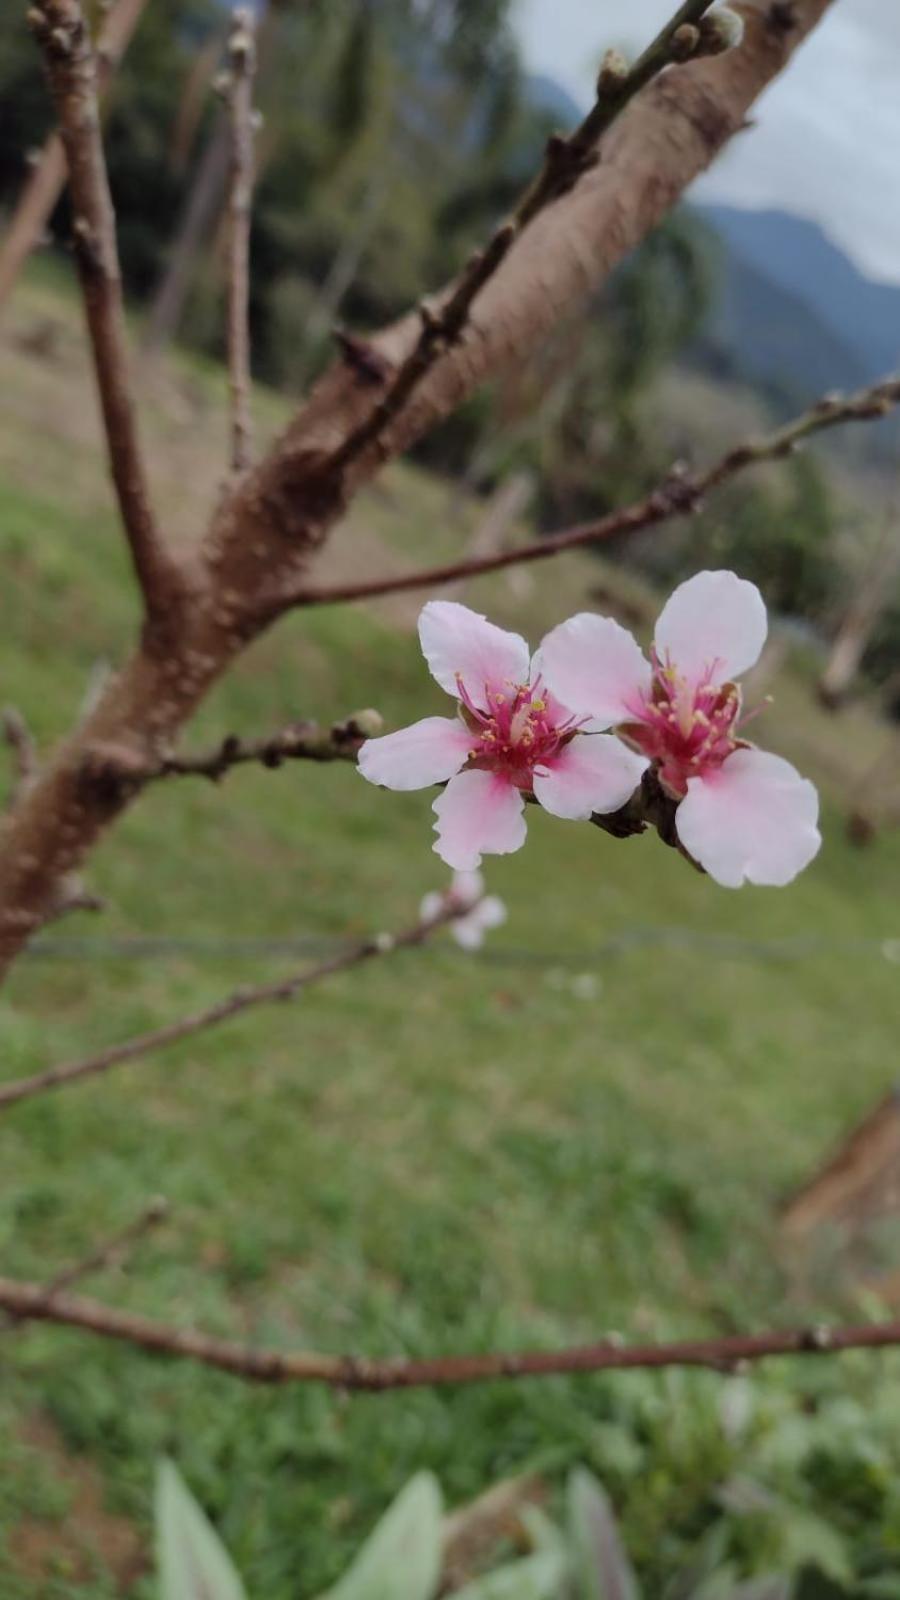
(240, 1000)
(301, 741)
(109, 1252)
(565, 161)
(679, 495)
(264, 534)
(242, 58)
(28, 1301)
(61, 31)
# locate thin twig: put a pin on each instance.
(61, 31)
(240, 1000)
(565, 161)
(242, 59)
(301, 741)
(73, 895)
(118, 767)
(109, 1252)
(679, 495)
(28, 1301)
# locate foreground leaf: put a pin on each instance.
(537, 1577)
(602, 1569)
(192, 1561)
(401, 1559)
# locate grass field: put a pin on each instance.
(437, 1152)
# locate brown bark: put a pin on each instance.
(263, 538)
(867, 1161)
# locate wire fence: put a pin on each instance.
(726, 946)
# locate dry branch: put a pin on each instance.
(679, 495)
(240, 1000)
(267, 531)
(62, 33)
(242, 63)
(28, 1301)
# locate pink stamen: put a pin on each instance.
(520, 730)
(688, 728)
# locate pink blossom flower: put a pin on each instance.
(509, 740)
(744, 815)
(478, 912)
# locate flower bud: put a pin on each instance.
(722, 30)
(367, 724)
(612, 74)
(684, 42)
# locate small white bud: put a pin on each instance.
(613, 72)
(722, 30)
(368, 722)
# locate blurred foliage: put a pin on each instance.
(777, 532)
(758, 1535)
(436, 1152)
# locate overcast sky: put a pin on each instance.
(827, 140)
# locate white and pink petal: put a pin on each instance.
(595, 667)
(593, 772)
(430, 751)
(469, 931)
(712, 628)
(479, 813)
(754, 820)
(462, 645)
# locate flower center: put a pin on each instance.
(517, 732)
(688, 728)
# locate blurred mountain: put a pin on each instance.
(792, 313)
(545, 94)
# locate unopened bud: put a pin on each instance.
(722, 30)
(684, 42)
(366, 724)
(613, 72)
(240, 44)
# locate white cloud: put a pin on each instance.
(827, 133)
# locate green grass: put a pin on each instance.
(433, 1153)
